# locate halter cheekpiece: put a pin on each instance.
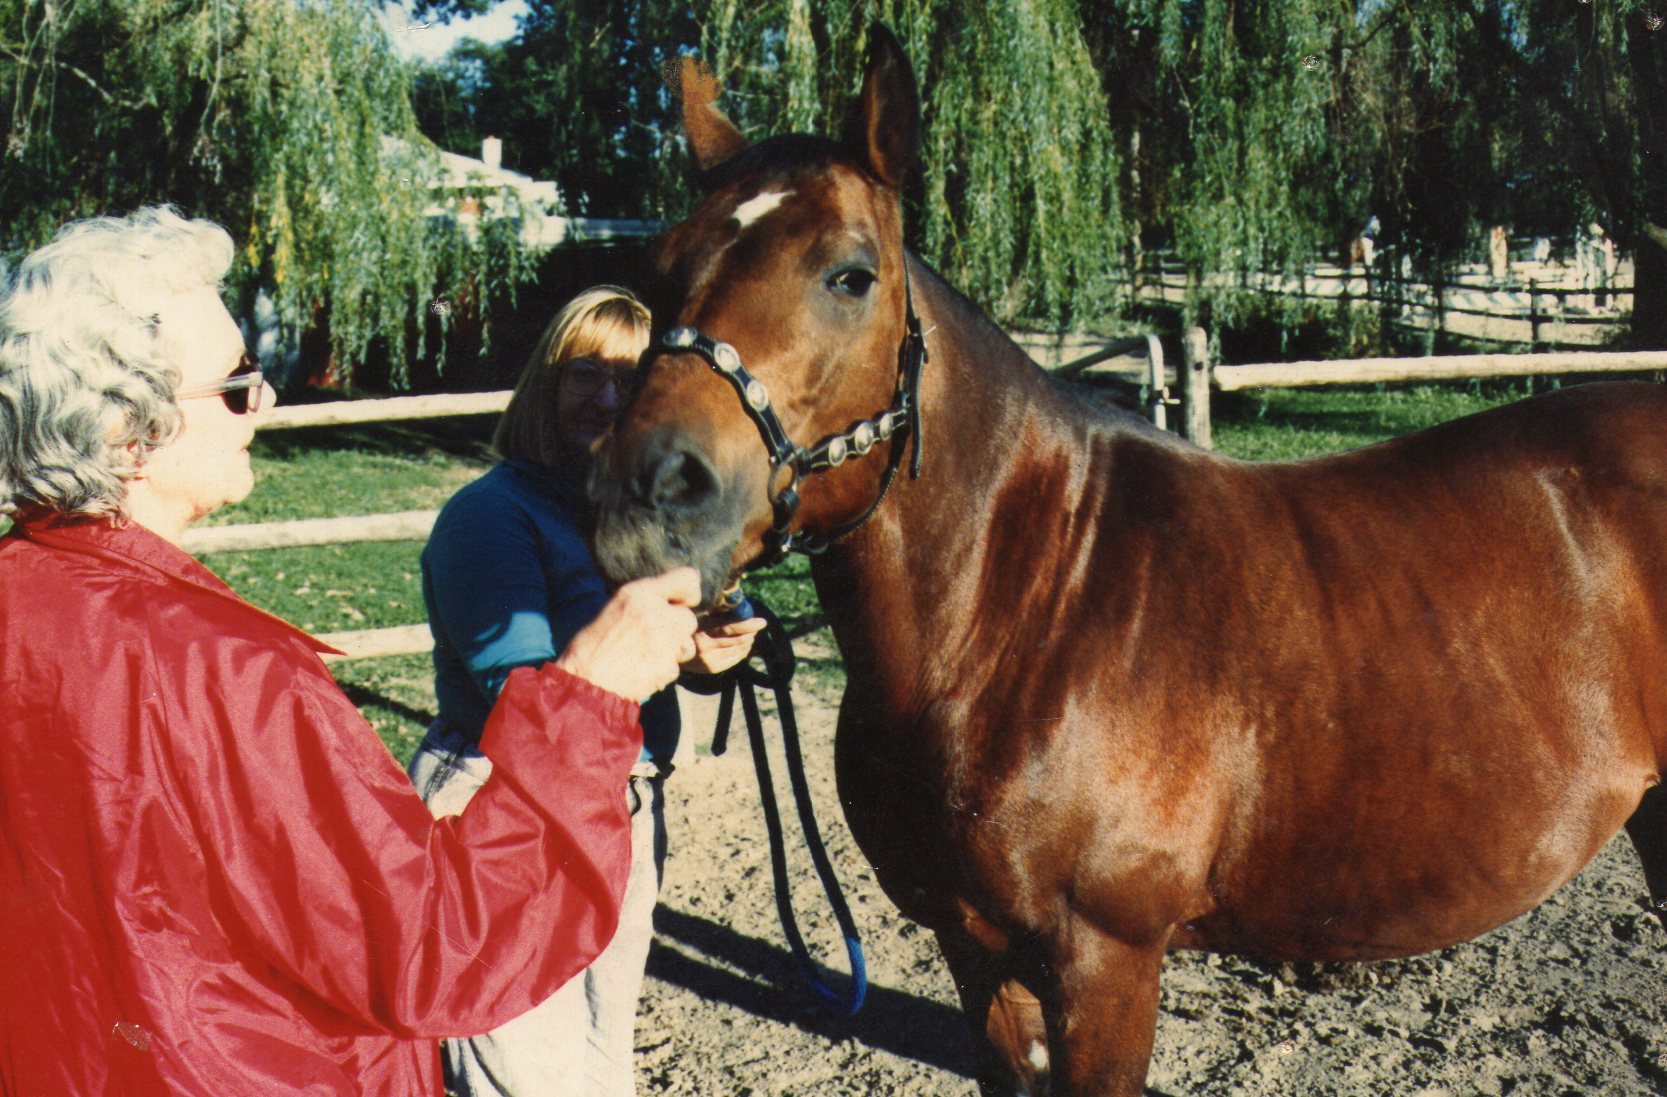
(895, 424)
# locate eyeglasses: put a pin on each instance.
(240, 389)
(585, 377)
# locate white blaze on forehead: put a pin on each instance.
(754, 208)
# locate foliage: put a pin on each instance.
(579, 96)
(1062, 138)
(1017, 203)
(1269, 134)
(1030, 225)
(285, 120)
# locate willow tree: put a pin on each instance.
(285, 120)
(1248, 132)
(1018, 201)
(1267, 134)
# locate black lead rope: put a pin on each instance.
(774, 650)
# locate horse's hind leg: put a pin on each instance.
(1648, 830)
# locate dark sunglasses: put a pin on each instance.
(586, 377)
(240, 389)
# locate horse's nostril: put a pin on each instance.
(683, 480)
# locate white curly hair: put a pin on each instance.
(85, 389)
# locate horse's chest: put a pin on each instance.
(927, 810)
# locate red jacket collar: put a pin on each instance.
(134, 545)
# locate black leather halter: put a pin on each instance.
(895, 424)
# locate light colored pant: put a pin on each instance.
(577, 1042)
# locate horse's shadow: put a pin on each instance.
(762, 979)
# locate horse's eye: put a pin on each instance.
(852, 281)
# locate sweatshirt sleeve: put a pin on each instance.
(490, 607)
(331, 870)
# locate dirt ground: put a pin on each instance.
(1568, 1001)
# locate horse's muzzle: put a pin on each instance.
(660, 505)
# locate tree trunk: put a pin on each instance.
(1649, 245)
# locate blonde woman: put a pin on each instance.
(508, 579)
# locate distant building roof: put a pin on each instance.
(473, 188)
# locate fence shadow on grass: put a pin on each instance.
(771, 988)
(366, 697)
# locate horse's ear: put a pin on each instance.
(713, 138)
(889, 115)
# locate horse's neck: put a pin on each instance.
(936, 565)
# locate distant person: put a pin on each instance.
(1499, 254)
(508, 578)
(1542, 250)
(1600, 264)
(1360, 250)
(216, 880)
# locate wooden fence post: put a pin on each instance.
(1195, 386)
(1535, 344)
(1157, 384)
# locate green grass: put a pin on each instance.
(330, 588)
(396, 694)
(1284, 424)
(326, 472)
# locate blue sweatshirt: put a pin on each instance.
(508, 579)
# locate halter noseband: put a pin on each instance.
(896, 424)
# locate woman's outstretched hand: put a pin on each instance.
(722, 641)
(642, 636)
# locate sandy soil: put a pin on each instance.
(1568, 1000)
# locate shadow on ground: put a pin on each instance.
(761, 978)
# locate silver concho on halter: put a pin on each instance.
(757, 396)
(728, 360)
(863, 438)
(682, 337)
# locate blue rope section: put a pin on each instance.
(775, 650)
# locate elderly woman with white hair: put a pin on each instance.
(214, 879)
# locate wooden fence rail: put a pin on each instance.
(1450, 367)
(382, 411)
(407, 525)
(1200, 377)
(1554, 309)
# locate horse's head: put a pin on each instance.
(779, 364)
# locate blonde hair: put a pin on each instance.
(601, 322)
(83, 376)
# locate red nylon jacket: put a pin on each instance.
(215, 880)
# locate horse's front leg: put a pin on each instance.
(1102, 1012)
(1009, 1035)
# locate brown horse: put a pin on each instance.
(1110, 694)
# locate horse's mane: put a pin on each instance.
(1071, 401)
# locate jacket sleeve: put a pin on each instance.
(517, 605)
(329, 868)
